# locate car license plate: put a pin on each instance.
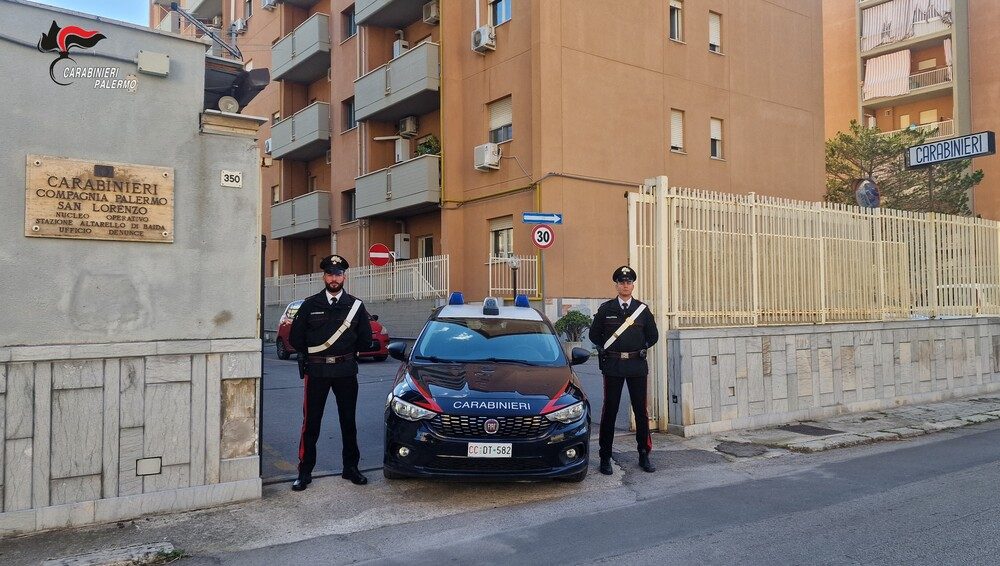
(490, 450)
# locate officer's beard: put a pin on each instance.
(334, 287)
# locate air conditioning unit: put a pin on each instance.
(239, 25)
(401, 246)
(408, 127)
(217, 21)
(404, 149)
(484, 39)
(267, 146)
(431, 13)
(487, 157)
(269, 4)
(399, 47)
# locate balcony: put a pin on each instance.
(395, 14)
(408, 187)
(945, 129)
(407, 85)
(204, 9)
(305, 216)
(922, 34)
(925, 84)
(303, 55)
(304, 136)
(302, 3)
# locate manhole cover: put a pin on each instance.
(809, 430)
(740, 449)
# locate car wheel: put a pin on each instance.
(576, 478)
(392, 475)
(381, 358)
(279, 346)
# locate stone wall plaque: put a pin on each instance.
(71, 198)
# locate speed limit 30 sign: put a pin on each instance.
(543, 236)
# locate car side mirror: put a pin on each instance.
(397, 350)
(579, 356)
(373, 316)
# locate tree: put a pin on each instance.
(573, 324)
(866, 153)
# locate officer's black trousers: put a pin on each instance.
(316, 391)
(609, 413)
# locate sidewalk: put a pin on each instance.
(332, 506)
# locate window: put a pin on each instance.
(499, 11)
(502, 236)
(425, 246)
(350, 23)
(275, 118)
(676, 130)
(714, 32)
(275, 194)
(904, 121)
(715, 127)
(926, 64)
(247, 9)
(348, 109)
(311, 183)
(275, 271)
(676, 20)
(501, 120)
(928, 116)
(347, 200)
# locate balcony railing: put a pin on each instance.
(919, 30)
(301, 217)
(407, 187)
(407, 85)
(303, 136)
(930, 78)
(896, 87)
(303, 55)
(945, 129)
(396, 14)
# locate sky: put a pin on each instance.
(134, 11)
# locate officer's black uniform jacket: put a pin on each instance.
(641, 335)
(316, 321)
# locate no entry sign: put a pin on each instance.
(378, 254)
(543, 236)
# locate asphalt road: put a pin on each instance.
(283, 415)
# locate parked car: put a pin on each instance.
(487, 392)
(380, 336)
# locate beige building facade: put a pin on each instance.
(582, 99)
(897, 64)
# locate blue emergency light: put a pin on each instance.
(456, 298)
(521, 301)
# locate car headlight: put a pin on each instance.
(409, 411)
(567, 414)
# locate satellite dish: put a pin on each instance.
(229, 104)
(866, 194)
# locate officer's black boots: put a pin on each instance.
(645, 463)
(606, 466)
(302, 482)
(354, 475)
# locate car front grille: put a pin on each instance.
(464, 426)
(498, 465)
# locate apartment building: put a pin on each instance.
(927, 64)
(430, 126)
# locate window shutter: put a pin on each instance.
(501, 113)
(716, 129)
(676, 129)
(714, 29)
(502, 223)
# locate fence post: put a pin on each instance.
(754, 275)
(881, 263)
(931, 260)
(822, 265)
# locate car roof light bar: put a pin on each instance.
(456, 298)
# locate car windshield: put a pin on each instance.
(292, 309)
(494, 339)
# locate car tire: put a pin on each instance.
(577, 477)
(283, 353)
(392, 474)
(381, 358)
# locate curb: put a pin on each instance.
(847, 439)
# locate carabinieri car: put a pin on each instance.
(487, 392)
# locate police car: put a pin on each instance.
(487, 392)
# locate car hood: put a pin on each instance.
(474, 389)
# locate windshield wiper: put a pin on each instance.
(436, 359)
(502, 360)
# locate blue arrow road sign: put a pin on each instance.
(541, 218)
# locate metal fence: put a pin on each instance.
(421, 278)
(747, 260)
(501, 282)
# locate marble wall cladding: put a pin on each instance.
(71, 430)
(740, 377)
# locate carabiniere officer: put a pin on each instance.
(623, 330)
(328, 331)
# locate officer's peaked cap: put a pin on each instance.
(333, 264)
(623, 273)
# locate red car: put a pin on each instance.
(380, 336)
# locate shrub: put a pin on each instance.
(573, 324)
